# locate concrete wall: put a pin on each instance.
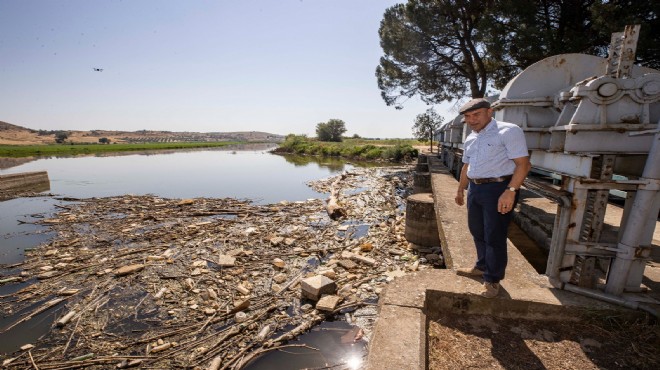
(25, 181)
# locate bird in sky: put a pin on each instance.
(98, 69)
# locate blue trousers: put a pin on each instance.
(489, 228)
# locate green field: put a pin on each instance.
(68, 149)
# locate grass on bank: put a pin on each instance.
(390, 150)
(16, 151)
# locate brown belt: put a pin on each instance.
(487, 180)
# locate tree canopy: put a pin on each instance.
(433, 49)
(331, 130)
(60, 136)
(426, 125)
(441, 50)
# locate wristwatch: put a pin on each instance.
(511, 188)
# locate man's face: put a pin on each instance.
(478, 119)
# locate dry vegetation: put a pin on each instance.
(484, 342)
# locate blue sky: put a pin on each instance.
(250, 65)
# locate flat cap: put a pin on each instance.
(474, 104)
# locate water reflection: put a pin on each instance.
(8, 162)
(224, 172)
(13, 162)
(18, 229)
(335, 164)
(327, 346)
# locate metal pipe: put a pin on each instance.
(591, 293)
(596, 294)
(633, 230)
(561, 197)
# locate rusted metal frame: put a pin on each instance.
(594, 215)
(583, 273)
(614, 53)
(573, 228)
(600, 198)
(625, 185)
(557, 244)
(560, 197)
(616, 127)
(535, 102)
(629, 49)
(591, 249)
(622, 52)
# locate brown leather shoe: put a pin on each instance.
(490, 290)
(472, 271)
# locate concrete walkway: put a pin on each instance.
(408, 303)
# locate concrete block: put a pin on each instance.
(364, 259)
(26, 181)
(328, 303)
(316, 286)
(399, 340)
(347, 264)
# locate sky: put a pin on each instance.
(279, 66)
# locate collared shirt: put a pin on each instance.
(490, 153)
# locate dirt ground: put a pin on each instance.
(484, 342)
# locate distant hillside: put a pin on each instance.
(16, 135)
(5, 126)
(167, 136)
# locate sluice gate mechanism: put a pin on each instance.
(592, 124)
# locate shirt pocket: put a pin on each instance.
(492, 148)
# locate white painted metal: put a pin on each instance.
(574, 165)
(645, 207)
(586, 118)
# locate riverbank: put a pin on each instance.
(394, 150)
(18, 151)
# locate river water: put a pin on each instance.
(244, 172)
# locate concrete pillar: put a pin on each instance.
(421, 226)
(26, 181)
(422, 167)
(422, 182)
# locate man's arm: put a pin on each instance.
(520, 172)
(505, 202)
(462, 185)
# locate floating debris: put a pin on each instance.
(208, 283)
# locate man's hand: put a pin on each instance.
(459, 197)
(505, 203)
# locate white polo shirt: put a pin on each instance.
(490, 153)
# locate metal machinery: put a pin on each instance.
(594, 123)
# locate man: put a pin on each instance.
(495, 164)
